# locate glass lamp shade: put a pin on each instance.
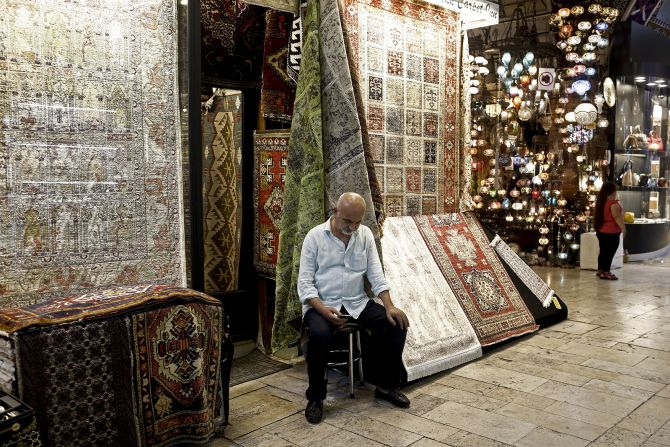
(574, 246)
(584, 26)
(517, 206)
(545, 122)
(577, 10)
(544, 230)
(565, 31)
(512, 130)
(586, 113)
(603, 122)
(562, 256)
(517, 101)
(581, 86)
(515, 193)
(477, 198)
(570, 117)
(509, 218)
(564, 12)
(567, 236)
(595, 8)
(574, 40)
(506, 58)
(543, 241)
(493, 110)
(525, 113)
(495, 205)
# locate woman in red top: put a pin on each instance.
(609, 224)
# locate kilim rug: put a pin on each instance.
(295, 44)
(407, 58)
(222, 206)
(270, 155)
(177, 353)
(476, 276)
(278, 89)
(72, 376)
(110, 301)
(540, 289)
(304, 188)
(440, 335)
(90, 185)
(344, 158)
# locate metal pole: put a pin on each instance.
(195, 146)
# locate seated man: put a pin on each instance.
(335, 257)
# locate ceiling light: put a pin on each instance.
(651, 84)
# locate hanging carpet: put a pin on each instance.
(270, 155)
(344, 158)
(476, 276)
(440, 336)
(222, 204)
(295, 44)
(278, 89)
(304, 187)
(406, 58)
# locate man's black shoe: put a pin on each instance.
(314, 411)
(394, 396)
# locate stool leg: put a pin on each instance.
(360, 358)
(351, 365)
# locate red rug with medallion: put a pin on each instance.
(476, 276)
(270, 155)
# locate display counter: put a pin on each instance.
(647, 239)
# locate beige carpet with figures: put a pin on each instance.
(600, 378)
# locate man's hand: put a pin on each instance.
(396, 315)
(333, 316)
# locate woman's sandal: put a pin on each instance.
(608, 276)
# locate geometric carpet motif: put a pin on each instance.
(270, 155)
(89, 161)
(408, 67)
(476, 276)
(223, 200)
(540, 289)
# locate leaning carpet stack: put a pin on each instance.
(128, 365)
(461, 295)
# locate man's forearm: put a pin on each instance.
(385, 296)
(317, 305)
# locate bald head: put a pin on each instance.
(349, 213)
(351, 200)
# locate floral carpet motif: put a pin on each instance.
(407, 62)
(270, 155)
(440, 336)
(345, 167)
(476, 276)
(89, 165)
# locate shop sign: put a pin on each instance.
(474, 13)
(546, 77)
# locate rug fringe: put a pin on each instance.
(439, 365)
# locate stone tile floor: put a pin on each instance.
(600, 378)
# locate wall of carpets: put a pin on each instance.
(89, 157)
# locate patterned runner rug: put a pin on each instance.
(270, 154)
(304, 187)
(540, 289)
(407, 62)
(222, 206)
(440, 336)
(476, 276)
(344, 159)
